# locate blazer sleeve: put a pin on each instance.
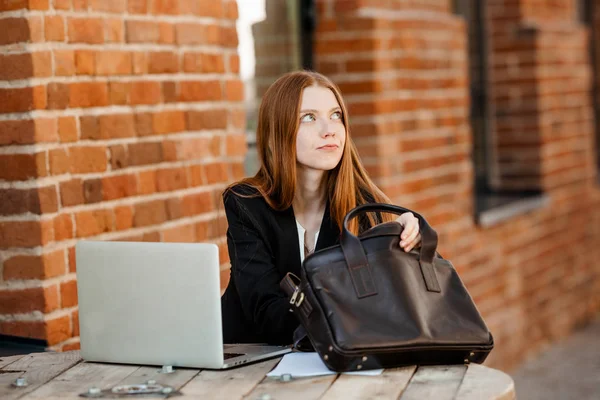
(256, 276)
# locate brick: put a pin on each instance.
(109, 6)
(140, 63)
(179, 234)
(197, 175)
(27, 131)
(149, 213)
(16, 100)
(86, 159)
(166, 33)
(75, 322)
(236, 145)
(142, 32)
(151, 237)
(147, 182)
(164, 7)
(210, 119)
(163, 62)
(92, 190)
(196, 204)
(63, 227)
(124, 217)
(25, 329)
(61, 4)
(118, 157)
(113, 63)
(226, 37)
(58, 330)
(114, 30)
(200, 91)
(58, 96)
(64, 62)
(187, 33)
(119, 186)
(203, 8)
(171, 179)
(85, 30)
(137, 6)
(203, 63)
(170, 91)
(145, 92)
(144, 124)
(216, 172)
(91, 223)
(71, 193)
(37, 200)
(23, 66)
(238, 171)
(11, 5)
(233, 64)
(231, 10)
(85, 62)
(119, 93)
(234, 90)
(54, 27)
(72, 260)
(89, 94)
(116, 126)
(90, 127)
(67, 129)
(238, 118)
(59, 161)
(168, 122)
(18, 167)
(44, 299)
(145, 153)
(45, 266)
(81, 5)
(188, 149)
(14, 30)
(68, 293)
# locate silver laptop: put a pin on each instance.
(155, 304)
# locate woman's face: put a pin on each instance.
(321, 132)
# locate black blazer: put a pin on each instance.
(263, 247)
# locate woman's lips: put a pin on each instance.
(329, 147)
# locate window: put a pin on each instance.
(275, 36)
(586, 14)
(491, 205)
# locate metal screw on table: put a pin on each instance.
(167, 390)
(20, 382)
(150, 382)
(265, 396)
(167, 369)
(285, 377)
(94, 390)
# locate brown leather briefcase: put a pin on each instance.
(367, 303)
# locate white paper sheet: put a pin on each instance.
(300, 365)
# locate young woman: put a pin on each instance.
(310, 176)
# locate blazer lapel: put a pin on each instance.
(329, 234)
(289, 238)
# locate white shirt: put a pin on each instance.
(301, 232)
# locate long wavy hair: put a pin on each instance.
(347, 185)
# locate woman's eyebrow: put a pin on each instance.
(315, 111)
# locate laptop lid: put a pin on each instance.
(150, 303)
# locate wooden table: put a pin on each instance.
(66, 376)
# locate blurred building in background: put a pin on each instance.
(124, 120)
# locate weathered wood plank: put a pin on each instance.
(435, 382)
(296, 389)
(227, 384)
(178, 378)
(485, 383)
(37, 369)
(80, 378)
(389, 385)
(4, 361)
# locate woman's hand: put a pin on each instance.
(410, 236)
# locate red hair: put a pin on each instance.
(347, 185)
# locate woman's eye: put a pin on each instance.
(307, 118)
(336, 115)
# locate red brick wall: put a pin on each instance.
(403, 69)
(119, 121)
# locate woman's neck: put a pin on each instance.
(310, 192)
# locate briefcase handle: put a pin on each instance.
(356, 259)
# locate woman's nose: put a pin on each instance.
(327, 129)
